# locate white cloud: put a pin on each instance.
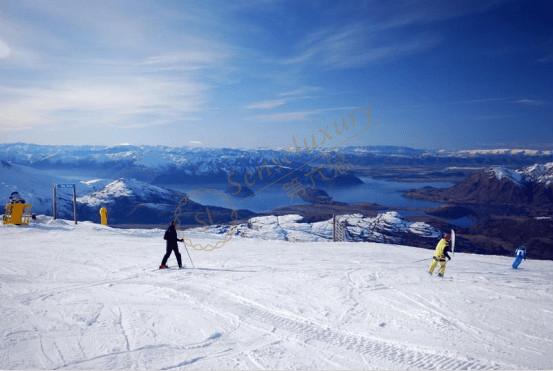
(529, 102)
(285, 97)
(299, 91)
(194, 53)
(385, 33)
(298, 115)
(5, 50)
(356, 45)
(121, 64)
(504, 100)
(125, 102)
(482, 100)
(267, 104)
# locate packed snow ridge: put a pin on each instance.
(385, 227)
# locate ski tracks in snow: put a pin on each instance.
(286, 325)
(236, 311)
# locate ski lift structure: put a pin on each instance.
(55, 189)
(338, 228)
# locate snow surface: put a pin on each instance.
(89, 297)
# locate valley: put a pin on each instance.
(483, 195)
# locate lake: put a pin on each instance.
(383, 192)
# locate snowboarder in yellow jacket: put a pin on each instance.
(440, 255)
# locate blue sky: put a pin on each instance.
(435, 74)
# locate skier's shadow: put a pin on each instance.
(222, 270)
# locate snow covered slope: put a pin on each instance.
(89, 297)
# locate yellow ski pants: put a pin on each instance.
(435, 262)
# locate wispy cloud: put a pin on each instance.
(503, 100)
(136, 70)
(546, 59)
(493, 117)
(284, 98)
(356, 45)
(388, 31)
(404, 13)
(125, 102)
(267, 104)
(529, 102)
(302, 90)
(482, 100)
(5, 50)
(298, 115)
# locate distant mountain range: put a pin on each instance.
(507, 192)
(528, 186)
(214, 161)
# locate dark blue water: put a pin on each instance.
(383, 192)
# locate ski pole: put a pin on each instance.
(416, 261)
(189, 257)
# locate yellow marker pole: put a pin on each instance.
(104, 216)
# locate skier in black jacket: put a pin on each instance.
(171, 238)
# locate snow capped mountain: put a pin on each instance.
(128, 188)
(539, 173)
(135, 160)
(501, 173)
(503, 152)
(130, 201)
(532, 185)
(385, 227)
